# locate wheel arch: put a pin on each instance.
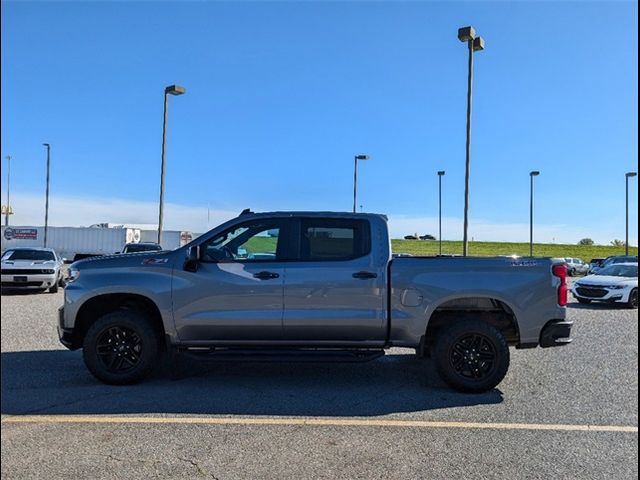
(100, 305)
(489, 308)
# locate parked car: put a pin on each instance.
(141, 247)
(427, 237)
(319, 289)
(616, 283)
(410, 237)
(575, 266)
(595, 263)
(32, 269)
(615, 259)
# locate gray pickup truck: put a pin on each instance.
(310, 286)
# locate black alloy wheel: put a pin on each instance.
(119, 348)
(473, 356)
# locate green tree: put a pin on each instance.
(586, 241)
(617, 243)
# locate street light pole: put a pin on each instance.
(626, 236)
(46, 201)
(171, 90)
(440, 175)
(8, 207)
(355, 177)
(468, 34)
(532, 174)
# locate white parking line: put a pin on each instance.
(320, 422)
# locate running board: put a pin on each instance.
(281, 355)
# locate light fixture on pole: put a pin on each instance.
(475, 44)
(627, 176)
(440, 175)
(46, 201)
(170, 90)
(355, 177)
(7, 207)
(532, 174)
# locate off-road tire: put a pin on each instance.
(471, 356)
(136, 348)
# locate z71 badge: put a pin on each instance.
(154, 261)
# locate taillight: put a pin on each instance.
(560, 271)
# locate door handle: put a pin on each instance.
(364, 275)
(266, 275)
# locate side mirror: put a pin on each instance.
(193, 259)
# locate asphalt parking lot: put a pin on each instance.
(560, 413)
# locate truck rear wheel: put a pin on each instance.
(121, 348)
(471, 356)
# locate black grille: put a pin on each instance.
(27, 271)
(593, 292)
(22, 284)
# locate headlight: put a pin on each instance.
(73, 275)
(615, 287)
(48, 271)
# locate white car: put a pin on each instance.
(575, 266)
(32, 269)
(617, 283)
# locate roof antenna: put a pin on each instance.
(246, 211)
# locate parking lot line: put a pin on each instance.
(323, 422)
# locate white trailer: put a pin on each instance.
(72, 243)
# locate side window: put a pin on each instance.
(250, 242)
(334, 239)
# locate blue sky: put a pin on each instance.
(280, 96)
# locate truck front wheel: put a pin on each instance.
(121, 348)
(471, 356)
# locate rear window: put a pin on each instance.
(334, 239)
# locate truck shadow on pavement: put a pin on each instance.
(57, 382)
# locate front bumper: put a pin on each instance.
(29, 281)
(556, 333)
(601, 294)
(66, 334)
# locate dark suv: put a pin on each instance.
(614, 259)
(141, 247)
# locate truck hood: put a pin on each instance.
(125, 260)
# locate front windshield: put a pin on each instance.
(620, 271)
(41, 255)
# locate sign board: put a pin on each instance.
(21, 233)
(185, 237)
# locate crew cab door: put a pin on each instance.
(335, 290)
(237, 292)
